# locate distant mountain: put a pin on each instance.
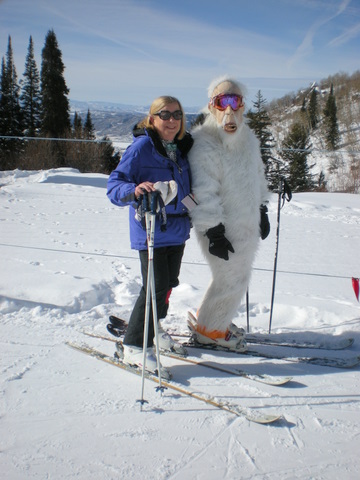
(82, 107)
(117, 120)
(114, 120)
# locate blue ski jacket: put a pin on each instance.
(146, 160)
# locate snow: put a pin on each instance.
(66, 265)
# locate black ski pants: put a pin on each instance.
(167, 262)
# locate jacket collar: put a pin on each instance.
(184, 145)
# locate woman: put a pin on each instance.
(158, 154)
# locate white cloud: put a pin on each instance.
(306, 47)
(353, 32)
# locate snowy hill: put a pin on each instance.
(341, 168)
(66, 265)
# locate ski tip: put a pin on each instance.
(278, 382)
(264, 419)
(191, 316)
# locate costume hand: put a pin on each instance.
(264, 222)
(219, 245)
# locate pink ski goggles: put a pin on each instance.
(224, 100)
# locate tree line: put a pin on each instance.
(37, 107)
(36, 110)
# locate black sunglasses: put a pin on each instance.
(166, 115)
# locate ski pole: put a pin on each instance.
(145, 207)
(155, 196)
(150, 217)
(284, 191)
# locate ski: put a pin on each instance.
(256, 377)
(248, 413)
(274, 339)
(329, 361)
(281, 340)
(335, 362)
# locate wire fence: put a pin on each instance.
(81, 140)
(276, 149)
(185, 262)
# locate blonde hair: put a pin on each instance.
(157, 105)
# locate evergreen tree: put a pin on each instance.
(30, 94)
(78, 128)
(89, 130)
(278, 168)
(295, 150)
(321, 187)
(259, 122)
(303, 106)
(55, 104)
(313, 110)
(3, 90)
(330, 120)
(108, 158)
(10, 111)
(199, 120)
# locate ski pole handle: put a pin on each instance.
(145, 202)
(154, 202)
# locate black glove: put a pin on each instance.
(219, 245)
(264, 222)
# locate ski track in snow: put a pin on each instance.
(68, 264)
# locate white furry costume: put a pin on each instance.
(229, 185)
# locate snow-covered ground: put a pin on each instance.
(66, 265)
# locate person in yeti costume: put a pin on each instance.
(230, 190)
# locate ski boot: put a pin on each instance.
(232, 339)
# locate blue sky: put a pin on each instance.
(131, 51)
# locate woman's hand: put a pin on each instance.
(144, 187)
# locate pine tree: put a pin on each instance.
(321, 187)
(295, 150)
(89, 131)
(303, 106)
(10, 111)
(55, 104)
(3, 97)
(30, 94)
(108, 158)
(259, 122)
(330, 120)
(278, 168)
(313, 110)
(78, 128)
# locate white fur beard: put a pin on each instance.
(230, 140)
